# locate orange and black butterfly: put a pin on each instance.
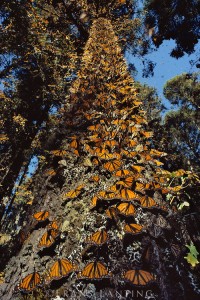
(126, 209)
(127, 194)
(127, 182)
(94, 270)
(122, 173)
(112, 213)
(95, 178)
(61, 268)
(59, 152)
(107, 195)
(48, 238)
(138, 277)
(94, 202)
(147, 202)
(112, 165)
(29, 283)
(41, 215)
(98, 238)
(133, 228)
(53, 225)
(137, 169)
(74, 193)
(103, 154)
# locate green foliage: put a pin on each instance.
(184, 90)
(182, 126)
(192, 255)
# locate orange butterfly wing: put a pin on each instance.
(30, 282)
(48, 238)
(94, 270)
(98, 238)
(126, 209)
(139, 277)
(41, 215)
(112, 165)
(133, 228)
(61, 268)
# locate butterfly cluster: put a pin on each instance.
(114, 145)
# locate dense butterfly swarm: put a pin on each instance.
(112, 228)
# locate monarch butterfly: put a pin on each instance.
(76, 152)
(74, 144)
(112, 165)
(50, 172)
(59, 152)
(61, 268)
(94, 270)
(138, 119)
(127, 182)
(122, 173)
(133, 228)
(127, 194)
(110, 143)
(95, 178)
(98, 238)
(129, 154)
(41, 215)
(140, 187)
(157, 162)
(106, 195)
(116, 155)
(74, 193)
(94, 127)
(133, 129)
(117, 122)
(157, 153)
(138, 169)
(95, 161)
(88, 149)
(105, 155)
(131, 143)
(94, 138)
(111, 213)
(29, 283)
(139, 277)
(53, 225)
(93, 202)
(48, 238)
(148, 202)
(126, 209)
(147, 134)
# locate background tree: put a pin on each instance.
(183, 123)
(174, 19)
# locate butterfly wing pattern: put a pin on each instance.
(30, 282)
(94, 271)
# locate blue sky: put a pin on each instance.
(166, 67)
